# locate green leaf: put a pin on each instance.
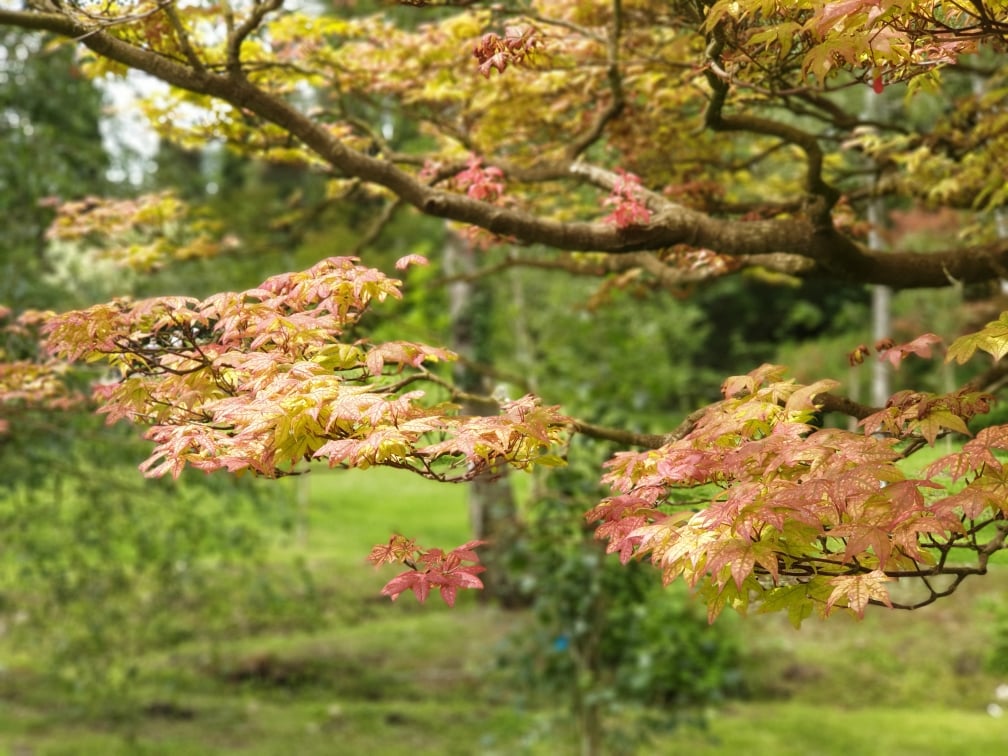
(791, 598)
(992, 338)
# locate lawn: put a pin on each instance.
(394, 678)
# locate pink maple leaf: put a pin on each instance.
(404, 262)
(484, 184)
(896, 353)
(628, 209)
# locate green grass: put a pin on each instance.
(341, 514)
(395, 678)
(799, 729)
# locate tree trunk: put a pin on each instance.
(492, 511)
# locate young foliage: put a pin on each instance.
(790, 517)
(269, 379)
(29, 380)
(429, 568)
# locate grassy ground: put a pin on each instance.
(380, 678)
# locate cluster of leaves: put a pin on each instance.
(263, 379)
(268, 379)
(30, 381)
(793, 517)
(514, 48)
(628, 208)
(149, 230)
(429, 568)
(486, 184)
(833, 36)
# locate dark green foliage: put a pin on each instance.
(748, 319)
(52, 147)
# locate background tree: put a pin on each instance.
(52, 153)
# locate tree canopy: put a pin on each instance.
(668, 143)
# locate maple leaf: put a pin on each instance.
(921, 346)
(803, 399)
(623, 535)
(429, 568)
(740, 557)
(992, 338)
(795, 599)
(461, 577)
(741, 385)
(398, 549)
(976, 454)
(467, 551)
(934, 423)
(855, 591)
(404, 262)
(414, 580)
(496, 52)
(628, 208)
(484, 184)
(972, 501)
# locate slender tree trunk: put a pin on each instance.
(881, 295)
(492, 511)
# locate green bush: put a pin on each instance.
(606, 636)
(101, 566)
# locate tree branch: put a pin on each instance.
(620, 436)
(829, 253)
(183, 38)
(238, 35)
(615, 107)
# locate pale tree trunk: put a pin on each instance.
(881, 307)
(492, 510)
(881, 295)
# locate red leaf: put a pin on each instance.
(418, 582)
(896, 353)
(466, 552)
(629, 209)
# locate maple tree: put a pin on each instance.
(675, 142)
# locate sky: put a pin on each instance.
(128, 138)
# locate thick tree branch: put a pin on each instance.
(620, 436)
(828, 252)
(844, 406)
